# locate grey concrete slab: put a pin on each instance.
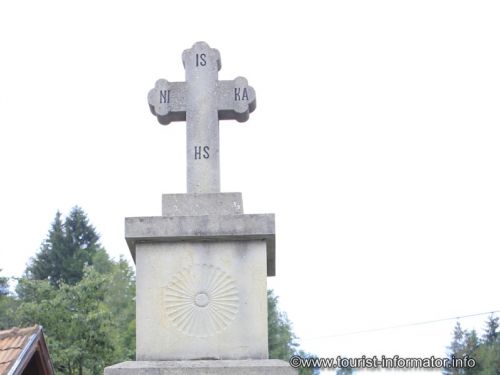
(204, 228)
(227, 367)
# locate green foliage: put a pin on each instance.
(8, 304)
(68, 247)
(485, 350)
(75, 320)
(345, 371)
(87, 324)
(4, 286)
(8, 307)
(282, 341)
(488, 352)
(491, 335)
(84, 300)
(120, 297)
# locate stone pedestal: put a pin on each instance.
(201, 279)
(202, 266)
(241, 367)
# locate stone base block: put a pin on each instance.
(201, 300)
(221, 367)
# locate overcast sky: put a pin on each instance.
(375, 142)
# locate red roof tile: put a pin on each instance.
(12, 342)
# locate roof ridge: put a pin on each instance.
(16, 331)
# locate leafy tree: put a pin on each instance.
(7, 304)
(120, 297)
(282, 342)
(4, 285)
(8, 307)
(68, 247)
(84, 327)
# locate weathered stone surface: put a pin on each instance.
(228, 367)
(201, 300)
(202, 204)
(235, 99)
(202, 101)
(203, 228)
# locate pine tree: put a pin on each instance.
(66, 250)
(485, 351)
(456, 349)
(488, 353)
(457, 345)
(471, 347)
(491, 336)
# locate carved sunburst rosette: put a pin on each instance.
(201, 300)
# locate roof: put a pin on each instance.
(21, 346)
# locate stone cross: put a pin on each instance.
(202, 101)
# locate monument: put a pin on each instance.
(202, 266)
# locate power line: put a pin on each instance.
(397, 326)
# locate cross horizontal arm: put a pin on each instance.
(235, 99)
(167, 101)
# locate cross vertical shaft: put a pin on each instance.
(202, 135)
